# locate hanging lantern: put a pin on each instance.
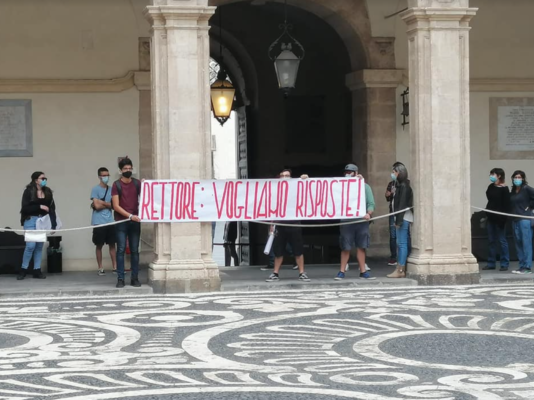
(286, 63)
(222, 97)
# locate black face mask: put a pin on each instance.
(127, 174)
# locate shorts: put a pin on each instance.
(104, 235)
(285, 235)
(354, 235)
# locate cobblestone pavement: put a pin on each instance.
(368, 343)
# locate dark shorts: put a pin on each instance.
(354, 235)
(286, 235)
(104, 235)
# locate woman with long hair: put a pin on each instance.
(37, 201)
(498, 196)
(522, 202)
(402, 200)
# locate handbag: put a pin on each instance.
(35, 236)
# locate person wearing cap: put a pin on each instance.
(356, 235)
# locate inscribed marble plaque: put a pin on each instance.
(511, 128)
(16, 128)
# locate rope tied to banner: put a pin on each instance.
(358, 221)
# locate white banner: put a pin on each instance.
(249, 200)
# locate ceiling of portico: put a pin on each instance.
(349, 18)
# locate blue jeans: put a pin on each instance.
(523, 242)
(392, 238)
(403, 233)
(497, 238)
(132, 231)
(32, 249)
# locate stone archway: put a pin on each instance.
(373, 82)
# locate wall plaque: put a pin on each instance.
(511, 128)
(16, 136)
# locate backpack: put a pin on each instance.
(136, 183)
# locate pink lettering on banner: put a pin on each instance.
(247, 200)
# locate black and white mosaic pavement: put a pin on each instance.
(372, 344)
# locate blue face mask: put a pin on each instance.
(518, 182)
(43, 183)
(493, 178)
(393, 176)
(105, 179)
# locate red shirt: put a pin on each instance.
(128, 200)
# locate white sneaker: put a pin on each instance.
(296, 267)
(101, 272)
(366, 267)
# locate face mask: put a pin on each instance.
(348, 175)
(105, 179)
(493, 178)
(127, 174)
(393, 176)
(43, 183)
(518, 182)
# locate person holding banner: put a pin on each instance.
(125, 199)
(285, 235)
(356, 235)
(37, 201)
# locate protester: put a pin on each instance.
(498, 196)
(230, 237)
(390, 191)
(101, 205)
(402, 200)
(356, 235)
(125, 199)
(522, 203)
(288, 235)
(37, 201)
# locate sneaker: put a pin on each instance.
(296, 267)
(518, 271)
(303, 277)
(503, 269)
(392, 262)
(267, 268)
(273, 278)
(115, 271)
(135, 282)
(21, 275)
(120, 283)
(101, 272)
(340, 275)
(523, 271)
(366, 267)
(37, 274)
(488, 268)
(366, 275)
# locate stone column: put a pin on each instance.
(438, 34)
(374, 140)
(182, 133)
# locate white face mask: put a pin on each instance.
(348, 175)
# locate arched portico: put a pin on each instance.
(180, 58)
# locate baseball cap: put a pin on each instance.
(351, 167)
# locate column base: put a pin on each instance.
(184, 276)
(444, 270)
